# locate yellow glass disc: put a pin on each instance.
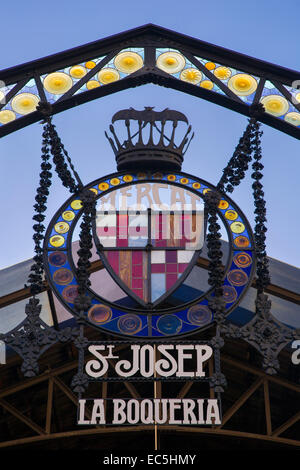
(58, 83)
(108, 75)
(242, 84)
(210, 65)
(7, 116)
(184, 181)
(115, 181)
(223, 204)
(208, 84)
(141, 176)
(298, 97)
(78, 71)
(128, 62)
(90, 64)
(57, 241)
(171, 62)
(94, 190)
(61, 227)
(222, 73)
(231, 215)
(275, 104)
(68, 215)
(76, 204)
(196, 185)
(92, 84)
(171, 177)
(25, 103)
(292, 118)
(191, 75)
(127, 178)
(206, 190)
(103, 186)
(237, 227)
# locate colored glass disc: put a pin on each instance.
(57, 258)
(237, 277)
(199, 315)
(129, 324)
(99, 313)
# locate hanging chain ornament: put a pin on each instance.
(263, 332)
(33, 336)
(232, 175)
(215, 279)
(83, 302)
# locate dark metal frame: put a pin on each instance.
(150, 37)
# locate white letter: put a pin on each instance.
(142, 190)
(81, 419)
(204, 352)
(93, 366)
(119, 415)
(126, 365)
(98, 412)
(188, 415)
(162, 365)
(175, 404)
(143, 370)
(200, 403)
(133, 411)
(160, 404)
(149, 418)
(212, 412)
(296, 354)
(181, 357)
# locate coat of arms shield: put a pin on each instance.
(150, 252)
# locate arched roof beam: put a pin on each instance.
(206, 71)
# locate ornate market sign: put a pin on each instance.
(149, 229)
(172, 365)
(149, 222)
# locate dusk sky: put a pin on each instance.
(268, 30)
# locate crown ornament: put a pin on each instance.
(149, 147)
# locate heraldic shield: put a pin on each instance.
(150, 252)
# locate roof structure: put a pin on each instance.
(253, 410)
(78, 75)
(257, 407)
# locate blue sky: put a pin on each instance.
(268, 30)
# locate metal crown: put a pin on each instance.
(134, 153)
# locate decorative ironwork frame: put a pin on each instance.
(153, 177)
(150, 38)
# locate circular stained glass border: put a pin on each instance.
(159, 323)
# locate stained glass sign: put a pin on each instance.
(131, 212)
